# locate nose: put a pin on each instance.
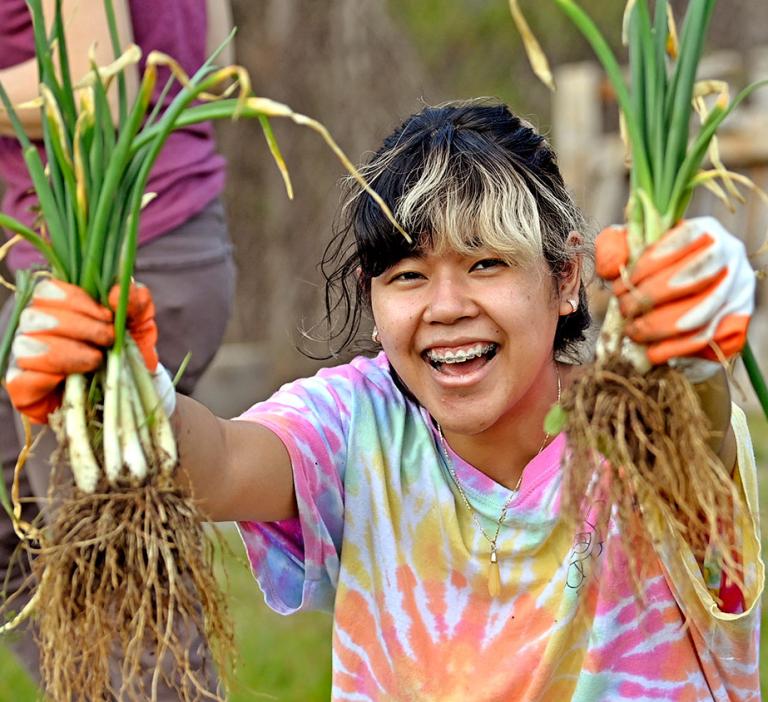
(448, 300)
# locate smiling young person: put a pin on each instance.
(415, 494)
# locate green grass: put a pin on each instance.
(280, 658)
(289, 658)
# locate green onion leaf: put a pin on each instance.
(555, 420)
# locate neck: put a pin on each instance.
(503, 450)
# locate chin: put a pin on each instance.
(467, 425)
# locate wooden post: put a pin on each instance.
(758, 70)
(577, 124)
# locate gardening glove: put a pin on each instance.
(62, 331)
(140, 321)
(141, 325)
(689, 292)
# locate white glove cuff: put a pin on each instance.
(697, 370)
(163, 383)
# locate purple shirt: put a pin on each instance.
(188, 174)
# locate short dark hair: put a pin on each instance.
(457, 176)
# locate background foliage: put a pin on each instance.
(361, 66)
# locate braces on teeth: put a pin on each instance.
(460, 356)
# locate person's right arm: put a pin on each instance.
(85, 25)
(219, 24)
(239, 470)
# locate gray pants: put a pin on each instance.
(191, 274)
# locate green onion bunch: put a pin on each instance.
(657, 100)
(641, 450)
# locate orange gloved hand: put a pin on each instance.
(690, 291)
(140, 321)
(62, 331)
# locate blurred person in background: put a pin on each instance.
(185, 253)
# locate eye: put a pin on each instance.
(489, 263)
(406, 276)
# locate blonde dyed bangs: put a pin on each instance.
(463, 203)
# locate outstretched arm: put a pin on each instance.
(240, 471)
(219, 22)
(715, 397)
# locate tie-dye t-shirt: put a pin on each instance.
(385, 542)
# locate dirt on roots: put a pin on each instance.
(659, 468)
(128, 585)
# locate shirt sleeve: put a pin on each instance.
(296, 561)
(727, 642)
(747, 535)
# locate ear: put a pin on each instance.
(569, 284)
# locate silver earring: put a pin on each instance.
(375, 336)
(574, 303)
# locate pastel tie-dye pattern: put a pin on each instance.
(384, 541)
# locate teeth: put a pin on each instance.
(460, 356)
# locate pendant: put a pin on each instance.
(494, 580)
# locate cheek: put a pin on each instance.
(396, 329)
(527, 314)
(396, 320)
(378, 311)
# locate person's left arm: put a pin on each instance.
(688, 300)
(715, 397)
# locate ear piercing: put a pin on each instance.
(574, 303)
(375, 336)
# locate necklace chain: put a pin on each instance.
(455, 478)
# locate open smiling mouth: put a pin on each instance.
(463, 361)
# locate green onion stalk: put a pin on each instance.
(648, 422)
(123, 565)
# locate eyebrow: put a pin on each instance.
(417, 254)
